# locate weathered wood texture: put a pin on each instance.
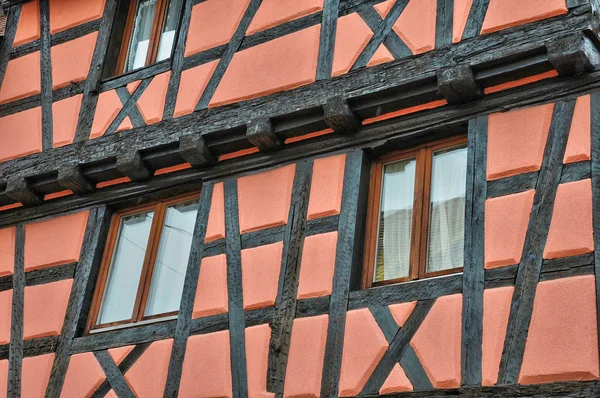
(595, 168)
(46, 74)
(329, 19)
(113, 375)
(15, 356)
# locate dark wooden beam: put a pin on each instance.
(595, 168)
(329, 18)
(12, 20)
(444, 23)
(392, 42)
(46, 74)
(339, 116)
(113, 374)
(71, 177)
(129, 108)
(261, 134)
(137, 120)
(457, 84)
(573, 54)
(130, 164)
(194, 150)
(475, 19)
(15, 356)
(124, 366)
(19, 189)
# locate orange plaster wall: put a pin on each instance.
(54, 241)
(5, 315)
(306, 355)
(257, 360)
(438, 341)
(206, 366)
(562, 343)
(66, 14)
(269, 190)
(215, 228)
(275, 12)
(317, 265)
(7, 250)
(260, 275)
(21, 134)
(211, 293)
(71, 60)
(35, 375)
(152, 102)
(326, 186)
(502, 14)
(148, 375)
(107, 109)
(516, 140)
(28, 28)
(520, 82)
(192, 85)
(3, 377)
(22, 78)
(461, 14)
(119, 353)
(571, 232)
(579, 144)
(407, 111)
(496, 309)
(280, 64)
(84, 376)
(506, 220)
(65, 114)
(45, 308)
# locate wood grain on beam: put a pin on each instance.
(261, 134)
(329, 18)
(15, 356)
(573, 54)
(71, 177)
(339, 116)
(595, 141)
(457, 84)
(46, 75)
(130, 164)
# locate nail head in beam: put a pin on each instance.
(17, 188)
(71, 177)
(130, 164)
(457, 84)
(339, 117)
(573, 54)
(194, 150)
(261, 134)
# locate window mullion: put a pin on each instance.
(424, 239)
(415, 243)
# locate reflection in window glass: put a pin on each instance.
(172, 258)
(167, 36)
(447, 210)
(125, 268)
(395, 221)
(140, 35)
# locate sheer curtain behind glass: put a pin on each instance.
(395, 221)
(140, 35)
(447, 210)
(167, 36)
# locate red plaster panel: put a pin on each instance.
(364, 346)
(55, 241)
(308, 136)
(21, 134)
(257, 360)
(306, 355)
(396, 381)
(35, 375)
(496, 309)
(502, 14)
(317, 265)
(66, 14)
(461, 14)
(407, 111)
(280, 64)
(71, 60)
(264, 198)
(119, 353)
(3, 377)
(193, 83)
(260, 275)
(148, 375)
(571, 232)
(579, 144)
(28, 28)
(211, 293)
(84, 376)
(5, 315)
(562, 343)
(107, 109)
(275, 12)
(206, 366)
(437, 342)
(215, 228)
(64, 120)
(506, 220)
(237, 154)
(213, 23)
(7, 251)
(45, 308)
(22, 78)
(152, 102)
(402, 311)
(172, 169)
(117, 181)
(520, 82)
(416, 25)
(516, 140)
(326, 186)
(352, 35)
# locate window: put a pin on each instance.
(144, 265)
(415, 226)
(149, 33)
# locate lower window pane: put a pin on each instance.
(167, 36)
(140, 35)
(171, 259)
(125, 268)
(395, 221)
(447, 212)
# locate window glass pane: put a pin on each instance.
(395, 221)
(125, 268)
(167, 36)
(172, 258)
(447, 210)
(140, 35)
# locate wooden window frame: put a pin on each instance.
(423, 154)
(159, 208)
(158, 22)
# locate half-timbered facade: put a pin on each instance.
(309, 198)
